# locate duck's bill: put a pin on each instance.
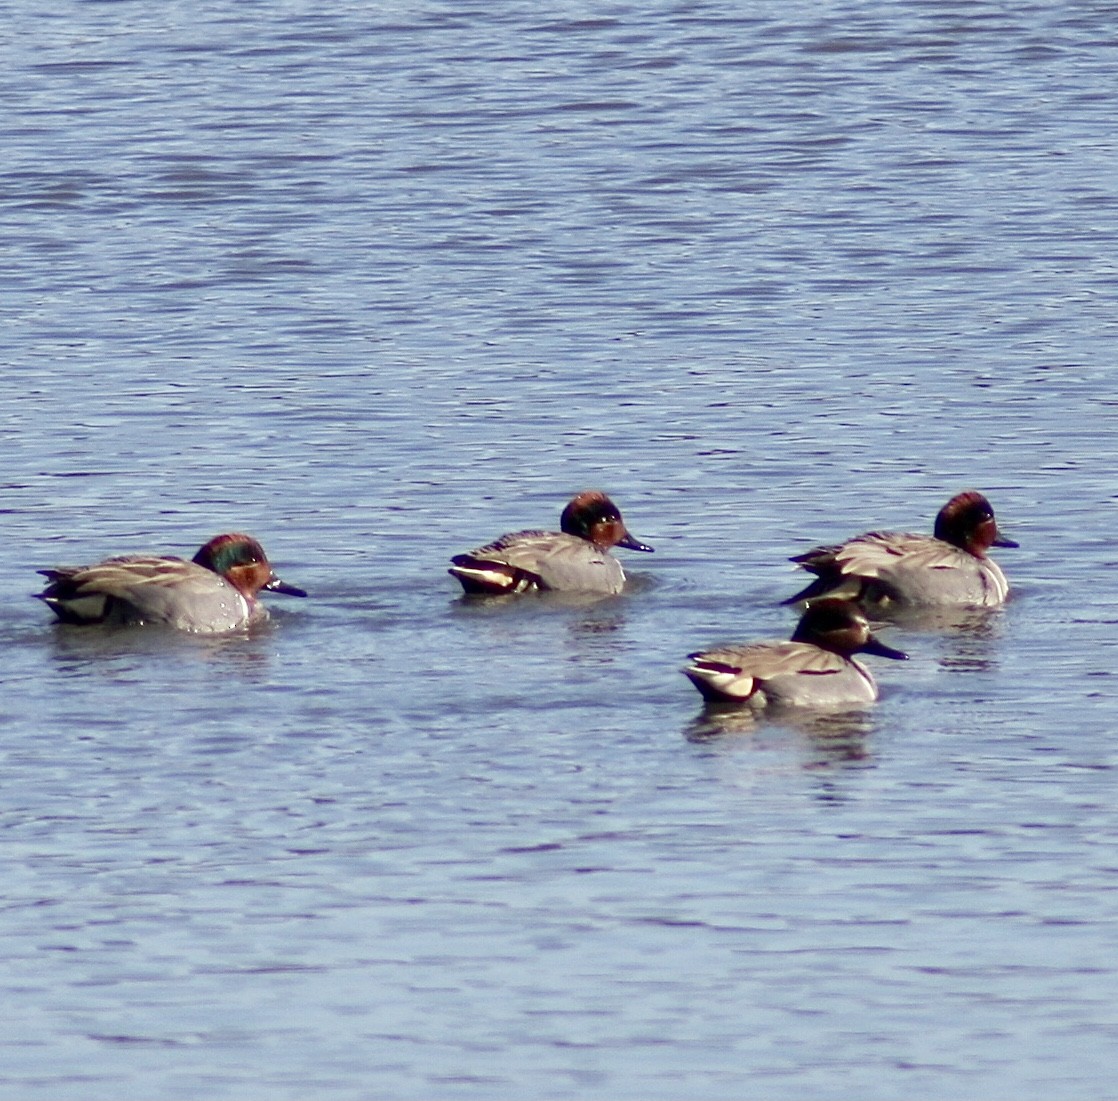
(278, 586)
(629, 543)
(873, 646)
(1002, 541)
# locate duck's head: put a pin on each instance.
(839, 626)
(594, 517)
(241, 560)
(967, 522)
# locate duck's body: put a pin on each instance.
(882, 569)
(574, 559)
(816, 668)
(214, 593)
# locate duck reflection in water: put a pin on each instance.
(832, 738)
(966, 637)
(112, 654)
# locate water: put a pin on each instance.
(379, 283)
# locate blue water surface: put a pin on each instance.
(377, 283)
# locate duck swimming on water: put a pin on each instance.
(816, 668)
(949, 567)
(214, 592)
(574, 559)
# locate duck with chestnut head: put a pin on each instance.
(215, 592)
(882, 569)
(574, 559)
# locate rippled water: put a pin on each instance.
(377, 283)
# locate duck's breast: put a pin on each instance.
(577, 566)
(808, 676)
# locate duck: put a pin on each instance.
(574, 559)
(815, 668)
(213, 593)
(883, 569)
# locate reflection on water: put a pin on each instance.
(935, 620)
(335, 275)
(108, 650)
(830, 738)
(592, 621)
(474, 604)
(966, 635)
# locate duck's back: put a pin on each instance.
(134, 589)
(922, 570)
(523, 561)
(797, 674)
